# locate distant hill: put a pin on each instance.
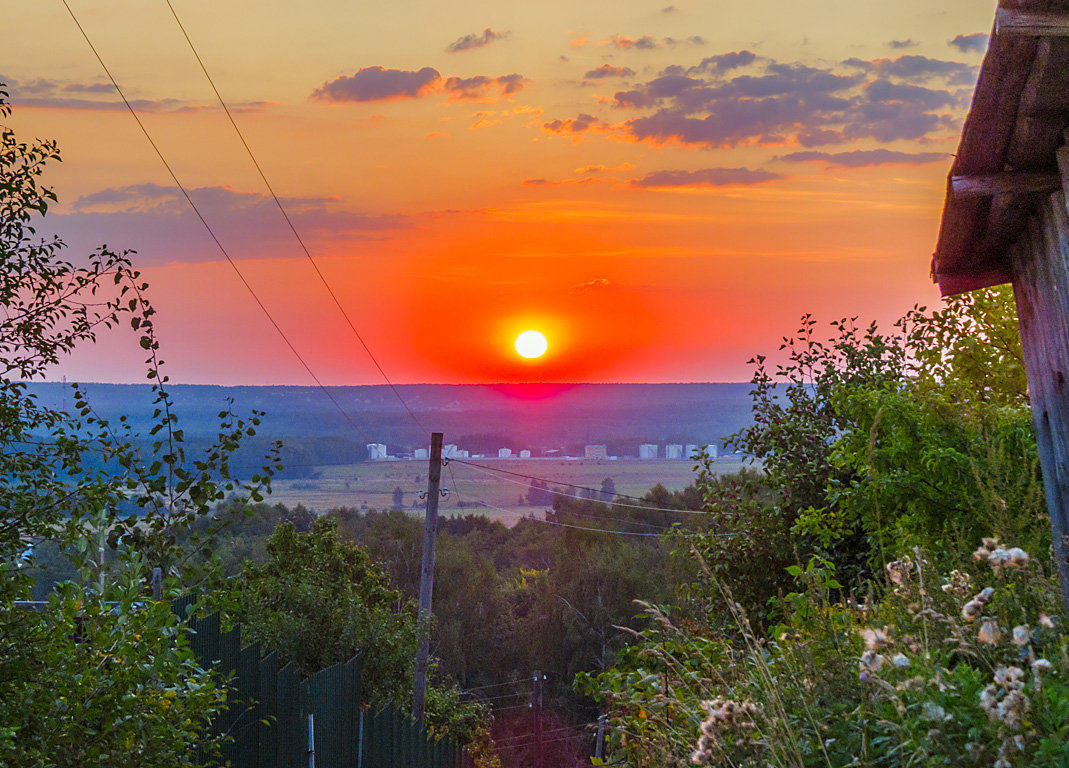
(479, 417)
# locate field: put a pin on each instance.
(371, 485)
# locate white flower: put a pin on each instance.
(898, 571)
(1039, 666)
(900, 661)
(1045, 621)
(874, 638)
(933, 712)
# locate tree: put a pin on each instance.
(398, 498)
(103, 674)
(608, 489)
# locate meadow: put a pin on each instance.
(371, 485)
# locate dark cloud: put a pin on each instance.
(582, 124)
(706, 177)
(379, 84)
(741, 98)
(89, 88)
(865, 157)
(158, 222)
(608, 70)
(476, 40)
(725, 62)
(669, 9)
(899, 44)
(644, 43)
(974, 43)
(480, 87)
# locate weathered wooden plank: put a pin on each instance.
(1004, 184)
(1012, 21)
(1041, 287)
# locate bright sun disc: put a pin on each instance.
(531, 344)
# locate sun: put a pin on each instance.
(531, 344)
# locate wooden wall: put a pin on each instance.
(1040, 260)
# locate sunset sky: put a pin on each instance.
(661, 189)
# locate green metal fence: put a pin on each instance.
(277, 720)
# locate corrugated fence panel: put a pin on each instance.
(267, 720)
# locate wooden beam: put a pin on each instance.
(1004, 184)
(1014, 22)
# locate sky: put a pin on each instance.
(662, 189)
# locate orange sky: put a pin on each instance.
(661, 188)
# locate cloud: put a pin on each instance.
(482, 88)
(544, 182)
(379, 84)
(608, 70)
(725, 62)
(158, 222)
(579, 42)
(898, 44)
(599, 168)
(645, 42)
(865, 157)
(597, 284)
(669, 9)
(705, 177)
(584, 123)
(738, 98)
(476, 40)
(974, 43)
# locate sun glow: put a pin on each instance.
(531, 344)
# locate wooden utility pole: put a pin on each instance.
(426, 580)
(539, 755)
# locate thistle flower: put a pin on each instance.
(900, 661)
(1010, 677)
(1022, 635)
(1045, 621)
(899, 571)
(989, 632)
(874, 638)
(958, 584)
(871, 661)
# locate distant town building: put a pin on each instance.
(421, 453)
(504, 453)
(525, 454)
(449, 451)
(461, 453)
(595, 452)
(673, 451)
(711, 450)
(647, 451)
(691, 451)
(376, 451)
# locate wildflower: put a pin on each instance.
(934, 734)
(1001, 559)
(871, 661)
(1045, 621)
(1039, 666)
(971, 610)
(874, 638)
(912, 684)
(989, 632)
(991, 542)
(933, 712)
(958, 585)
(1010, 677)
(1012, 708)
(1022, 635)
(899, 571)
(974, 751)
(989, 699)
(900, 661)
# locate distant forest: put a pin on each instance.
(478, 417)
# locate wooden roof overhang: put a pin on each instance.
(1007, 156)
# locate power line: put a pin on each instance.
(289, 221)
(207, 226)
(485, 468)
